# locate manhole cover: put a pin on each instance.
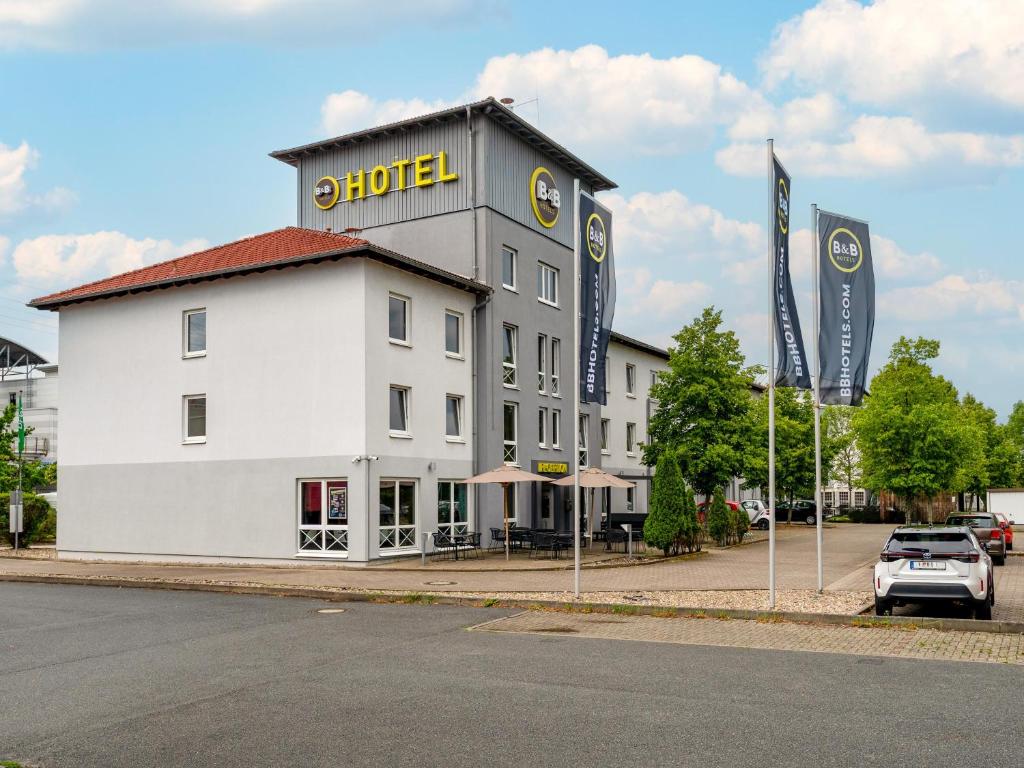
(440, 583)
(330, 610)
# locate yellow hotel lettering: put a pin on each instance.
(552, 467)
(419, 171)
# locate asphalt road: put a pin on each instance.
(94, 676)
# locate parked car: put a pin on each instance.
(803, 509)
(757, 512)
(988, 530)
(935, 564)
(702, 510)
(1007, 527)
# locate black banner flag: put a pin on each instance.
(791, 369)
(847, 300)
(597, 296)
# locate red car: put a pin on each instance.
(733, 505)
(1004, 523)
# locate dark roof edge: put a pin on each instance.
(367, 251)
(489, 107)
(643, 346)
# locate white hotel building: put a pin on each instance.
(322, 391)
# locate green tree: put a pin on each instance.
(665, 521)
(794, 446)
(691, 535)
(910, 430)
(34, 474)
(719, 525)
(1015, 424)
(837, 423)
(703, 405)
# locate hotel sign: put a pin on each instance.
(552, 468)
(400, 175)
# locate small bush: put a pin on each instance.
(37, 511)
(664, 522)
(719, 524)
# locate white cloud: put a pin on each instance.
(64, 260)
(78, 24)
(14, 194)
(954, 295)
(891, 51)
(351, 111)
(882, 146)
(654, 105)
(5, 245)
(642, 298)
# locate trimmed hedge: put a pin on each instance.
(37, 513)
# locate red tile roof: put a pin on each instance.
(281, 245)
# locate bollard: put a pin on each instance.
(423, 550)
(628, 527)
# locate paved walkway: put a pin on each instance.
(862, 641)
(847, 548)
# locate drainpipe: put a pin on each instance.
(366, 459)
(472, 188)
(477, 402)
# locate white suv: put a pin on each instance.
(940, 564)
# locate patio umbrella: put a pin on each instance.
(592, 478)
(505, 476)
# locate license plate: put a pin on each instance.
(926, 565)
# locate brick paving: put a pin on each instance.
(861, 641)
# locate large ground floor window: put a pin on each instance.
(452, 507)
(397, 521)
(323, 516)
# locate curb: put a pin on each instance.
(424, 598)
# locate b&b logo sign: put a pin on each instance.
(597, 238)
(844, 250)
(545, 197)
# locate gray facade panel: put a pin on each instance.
(396, 205)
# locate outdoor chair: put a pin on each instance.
(547, 542)
(443, 544)
(471, 540)
(497, 539)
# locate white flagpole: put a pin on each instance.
(576, 384)
(816, 312)
(771, 378)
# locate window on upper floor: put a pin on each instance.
(510, 428)
(542, 347)
(194, 332)
(547, 284)
(398, 411)
(630, 379)
(194, 419)
(630, 439)
(542, 427)
(556, 362)
(453, 417)
(453, 333)
(398, 318)
(605, 429)
(509, 268)
(556, 428)
(509, 355)
(584, 442)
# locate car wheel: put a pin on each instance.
(882, 607)
(763, 525)
(983, 610)
(1009, 547)
(1001, 560)
(810, 520)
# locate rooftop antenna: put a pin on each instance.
(509, 102)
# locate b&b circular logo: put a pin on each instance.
(844, 250)
(782, 209)
(545, 197)
(326, 193)
(597, 238)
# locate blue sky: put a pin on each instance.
(129, 135)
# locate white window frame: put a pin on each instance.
(631, 499)
(510, 370)
(406, 342)
(404, 542)
(459, 399)
(844, 497)
(630, 380)
(584, 442)
(606, 432)
(556, 362)
(543, 272)
(510, 448)
(542, 427)
(515, 269)
(654, 378)
(400, 433)
(512, 507)
(185, 316)
(326, 539)
(630, 438)
(459, 317)
(185, 437)
(556, 428)
(454, 528)
(542, 361)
